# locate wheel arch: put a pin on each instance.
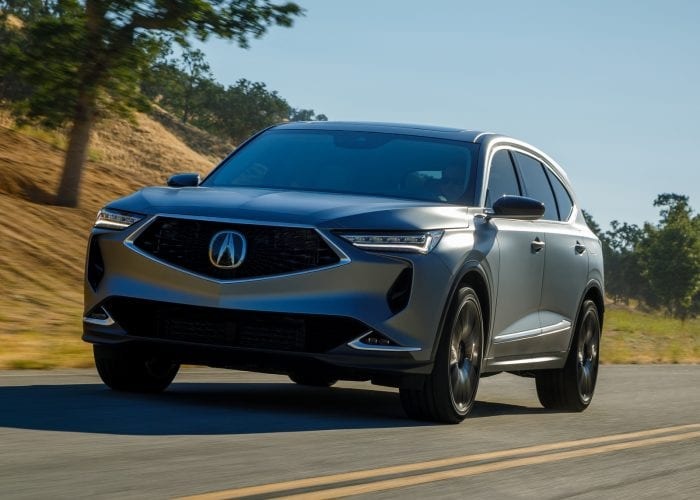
(476, 277)
(593, 291)
(477, 281)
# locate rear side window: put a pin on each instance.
(536, 184)
(563, 197)
(502, 178)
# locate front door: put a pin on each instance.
(521, 252)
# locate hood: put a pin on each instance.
(323, 210)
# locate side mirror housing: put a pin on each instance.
(184, 180)
(517, 207)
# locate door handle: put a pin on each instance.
(579, 247)
(536, 245)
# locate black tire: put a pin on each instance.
(448, 393)
(312, 379)
(123, 369)
(571, 388)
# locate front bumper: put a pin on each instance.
(356, 290)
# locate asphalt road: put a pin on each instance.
(64, 435)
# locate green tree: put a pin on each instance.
(306, 115)
(178, 84)
(196, 69)
(624, 279)
(247, 107)
(623, 276)
(85, 58)
(670, 256)
(186, 88)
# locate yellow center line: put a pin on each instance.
(431, 464)
(473, 470)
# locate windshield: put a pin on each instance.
(365, 163)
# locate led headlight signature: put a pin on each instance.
(419, 242)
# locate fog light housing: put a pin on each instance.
(375, 341)
(99, 316)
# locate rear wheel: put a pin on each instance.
(124, 369)
(312, 379)
(448, 394)
(571, 388)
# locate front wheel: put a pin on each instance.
(571, 388)
(448, 393)
(123, 369)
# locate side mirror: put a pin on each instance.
(518, 207)
(184, 180)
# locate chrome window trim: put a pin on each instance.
(129, 243)
(520, 147)
(480, 135)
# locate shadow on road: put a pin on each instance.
(210, 408)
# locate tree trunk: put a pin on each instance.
(85, 108)
(78, 141)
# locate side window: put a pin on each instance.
(562, 195)
(502, 178)
(536, 184)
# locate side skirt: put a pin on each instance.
(546, 361)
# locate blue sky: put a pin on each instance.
(609, 89)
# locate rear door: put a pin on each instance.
(566, 262)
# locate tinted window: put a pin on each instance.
(502, 178)
(368, 163)
(536, 184)
(564, 202)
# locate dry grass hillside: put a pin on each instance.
(42, 246)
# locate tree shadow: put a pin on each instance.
(37, 194)
(29, 190)
(211, 408)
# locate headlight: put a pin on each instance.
(419, 242)
(116, 219)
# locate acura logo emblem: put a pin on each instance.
(227, 249)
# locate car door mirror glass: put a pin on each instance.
(184, 180)
(517, 207)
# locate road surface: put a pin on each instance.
(235, 434)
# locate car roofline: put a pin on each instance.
(474, 136)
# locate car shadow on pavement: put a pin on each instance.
(211, 408)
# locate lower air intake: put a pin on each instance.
(233, 328)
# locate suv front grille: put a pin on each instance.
(233, 328)
(271, 250)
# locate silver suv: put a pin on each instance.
(416, 257)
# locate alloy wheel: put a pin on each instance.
(465, 355)
(587, 355)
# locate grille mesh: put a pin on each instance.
(233, 328)
(271, 250)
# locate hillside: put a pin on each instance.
(42, 247)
